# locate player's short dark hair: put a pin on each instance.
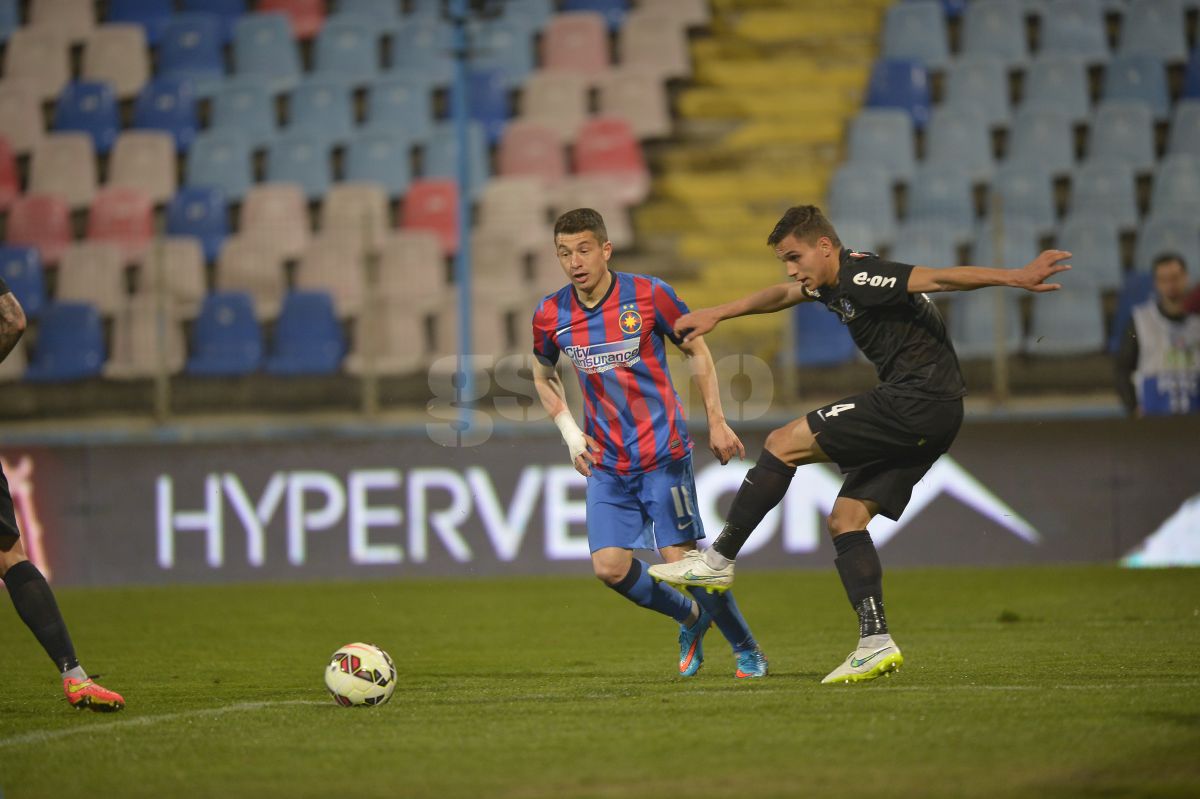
(581, 220)
(805, 222)
(1166, 258)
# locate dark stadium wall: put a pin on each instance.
(1016, 492)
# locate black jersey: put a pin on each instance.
(902, 334)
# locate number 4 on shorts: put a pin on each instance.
(836, 409)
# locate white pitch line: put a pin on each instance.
(45, 736)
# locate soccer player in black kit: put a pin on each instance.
(885, 440)
(27, 587)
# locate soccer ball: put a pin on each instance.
(360, 674)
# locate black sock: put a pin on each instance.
(34, 601)
(763, 489)
(862, 576)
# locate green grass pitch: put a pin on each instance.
(1040, 682)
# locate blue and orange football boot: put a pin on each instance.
(751, 663)
(691, 645)
(89, 694)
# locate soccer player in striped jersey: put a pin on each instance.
(635, 449)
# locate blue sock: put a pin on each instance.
(638, 586)
(721, 606)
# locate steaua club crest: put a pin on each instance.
(631, 321)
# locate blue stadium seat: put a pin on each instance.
(395, 104)
(1185, 128)
(168, 104)
(1137, 288)
(1075, 27)
(883, 138)
(245, 105)
(861, 195)
(1067, 322)
(1026, 195)
(152, 15)
(1154, 28)
(21, 268)
(1095, 250)
(263, 46)
(1191, 75)
(425, 10)
(503, 45)
(70, 344)
(900, 84)
(220, 158)
(226, 339)
(995, 28)
(1177, 185)
(382, 157)
(303, 158)
(308, 339)
(226, 11)
(941, 194)
(960, 137)
(980, 84)
(89, 107)
(347, 48)
(534, 13)
(1168, 231)
(441, 155)
(322, 108)
(925, 243)
(613, 11)
(9, 18)
(820, 337)
(1042, 138)
(199, 211)
(383, 15)
(1018, 240)
(1141, 78)
(422, 48)
(191, 49)
(1122, 131)
(1105, 188)
(972, 322)
(487, 101)
(917, 30)
(1058, 82)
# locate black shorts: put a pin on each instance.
(8, 518)
(885, 444)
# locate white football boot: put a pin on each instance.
(876, 655)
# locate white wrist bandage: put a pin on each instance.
(571, 434)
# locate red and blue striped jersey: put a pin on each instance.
(629, 402)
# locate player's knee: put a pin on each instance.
(10, 556)
(777, 441)
(841, 521)
(610, 573)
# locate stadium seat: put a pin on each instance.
(639, 98)
(118, 55)
(556, 100)
(226, 12)
(581, 191)
(504, 45)
(42, 221)
(1140, 78)
(73, 20)
(941, 194)
(1018, 245)
(41, 57)
(498, 323)
(1185, 128)
(168, 104)
(1191, 75)
(652, 41)
(383, 15)
(381, 157)
(441, 155)
(191, 50)
(263, 46)
(10, 185)
(199, 211)
(347, 48)
(321, 108)
(857, 236)
(20, 116)
(1177, 185)
(220, 158)
(497, 263)
(392, 338)
(917, 30)
(820, 338)
(1154, 28)
(606, 147)
(251, 267)
(21, 269)
(308, 339)
(613, 11)
(146, 337)
(275, 217)
(92, 272)
(65, 164)
(1067, 322)
(979, 84)
(1095, 250)
(1058, 83)
(960, 138)
(1137, 288)
(396, 105)
(1167, 231)
(10, 18)
(174, 265)
(144, 159)
(518, 206)
(432, 204)
(1042, 138)
(487, 101)
(1026, 195)
(1075, 27)
(152, 15)
(307, 17)
(859, 194)
(900, 84)
(925, 243)
(330, 266)
(226, 339)
(531, 149)
(422, 48)
(246, 107)
(576, 42)
(1105, 188)
(412, 264)
(91, 108)
(70, 344)
(357, 213)
(533, 13)
(972, 322)
(124, 217)
(1122, 132)
(995, 29)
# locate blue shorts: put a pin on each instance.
(649, 510)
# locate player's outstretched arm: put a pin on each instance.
(583, 448)
(768, 300)
(12, 323)
(723, 442)
(1031, 277)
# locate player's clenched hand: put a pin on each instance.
(696, 323)
(1033, 276)
(585, 460)
(724, 443)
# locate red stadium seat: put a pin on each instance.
(10, 187)
(42, 221)
(307, 16)
(532, 149)
(432, 204)
(607, 148)
(576, 42)
(124, 216)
